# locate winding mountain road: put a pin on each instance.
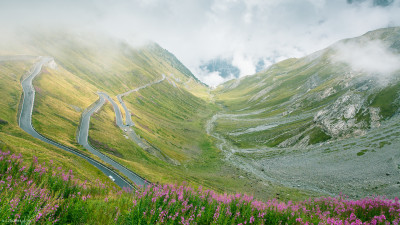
(84, 133)
(118, 118)
(128, 119)
(25, 122)
(129, 123)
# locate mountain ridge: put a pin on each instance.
(314, 88)
(323, 122)
(170, 115)
(324, 115)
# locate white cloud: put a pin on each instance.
(212, 79)
(371, 57)
(244, 63)
(197, 31)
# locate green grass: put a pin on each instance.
(317, 135)
(171, 119)
(16, 140)
(386, 101)
(383, 143)
(40, 192)
(172, 126)
(362, 152)
(59, 101)
(295, 87)
(128, 152)
(10, 89)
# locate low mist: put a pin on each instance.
(372, 57)
(249, 32)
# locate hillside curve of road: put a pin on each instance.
(130, 133)
(83, 135)
(128, 119)
(25, 122)
(83, 132)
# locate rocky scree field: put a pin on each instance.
(326, 122)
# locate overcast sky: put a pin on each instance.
(241, 31)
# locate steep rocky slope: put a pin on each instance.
(326, 122)
(339, 92)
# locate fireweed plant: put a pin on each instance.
(42, 193)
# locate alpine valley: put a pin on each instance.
(131, 115)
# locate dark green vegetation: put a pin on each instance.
(387, 100)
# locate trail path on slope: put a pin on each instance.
(357, 166)
(25, 122)
(229, 151)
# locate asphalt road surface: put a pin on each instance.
(25, 122)
(128, 119)
(84, 133)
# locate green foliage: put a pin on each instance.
(317, 135)
(44, 193)
(41, 193)
(386, 100)
(362, 152)
(298, 88)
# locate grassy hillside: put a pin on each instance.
(60, 99)
(170, 115)
(11, 73)
(117, 146)
(12, 138)
(311, 100)
(327, 121)
(170, 118)
(41, 192)
(228, 145)
(202, 163)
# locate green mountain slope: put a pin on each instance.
(312, 99)
(170, 115)
(13, 139)
(327, 122)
